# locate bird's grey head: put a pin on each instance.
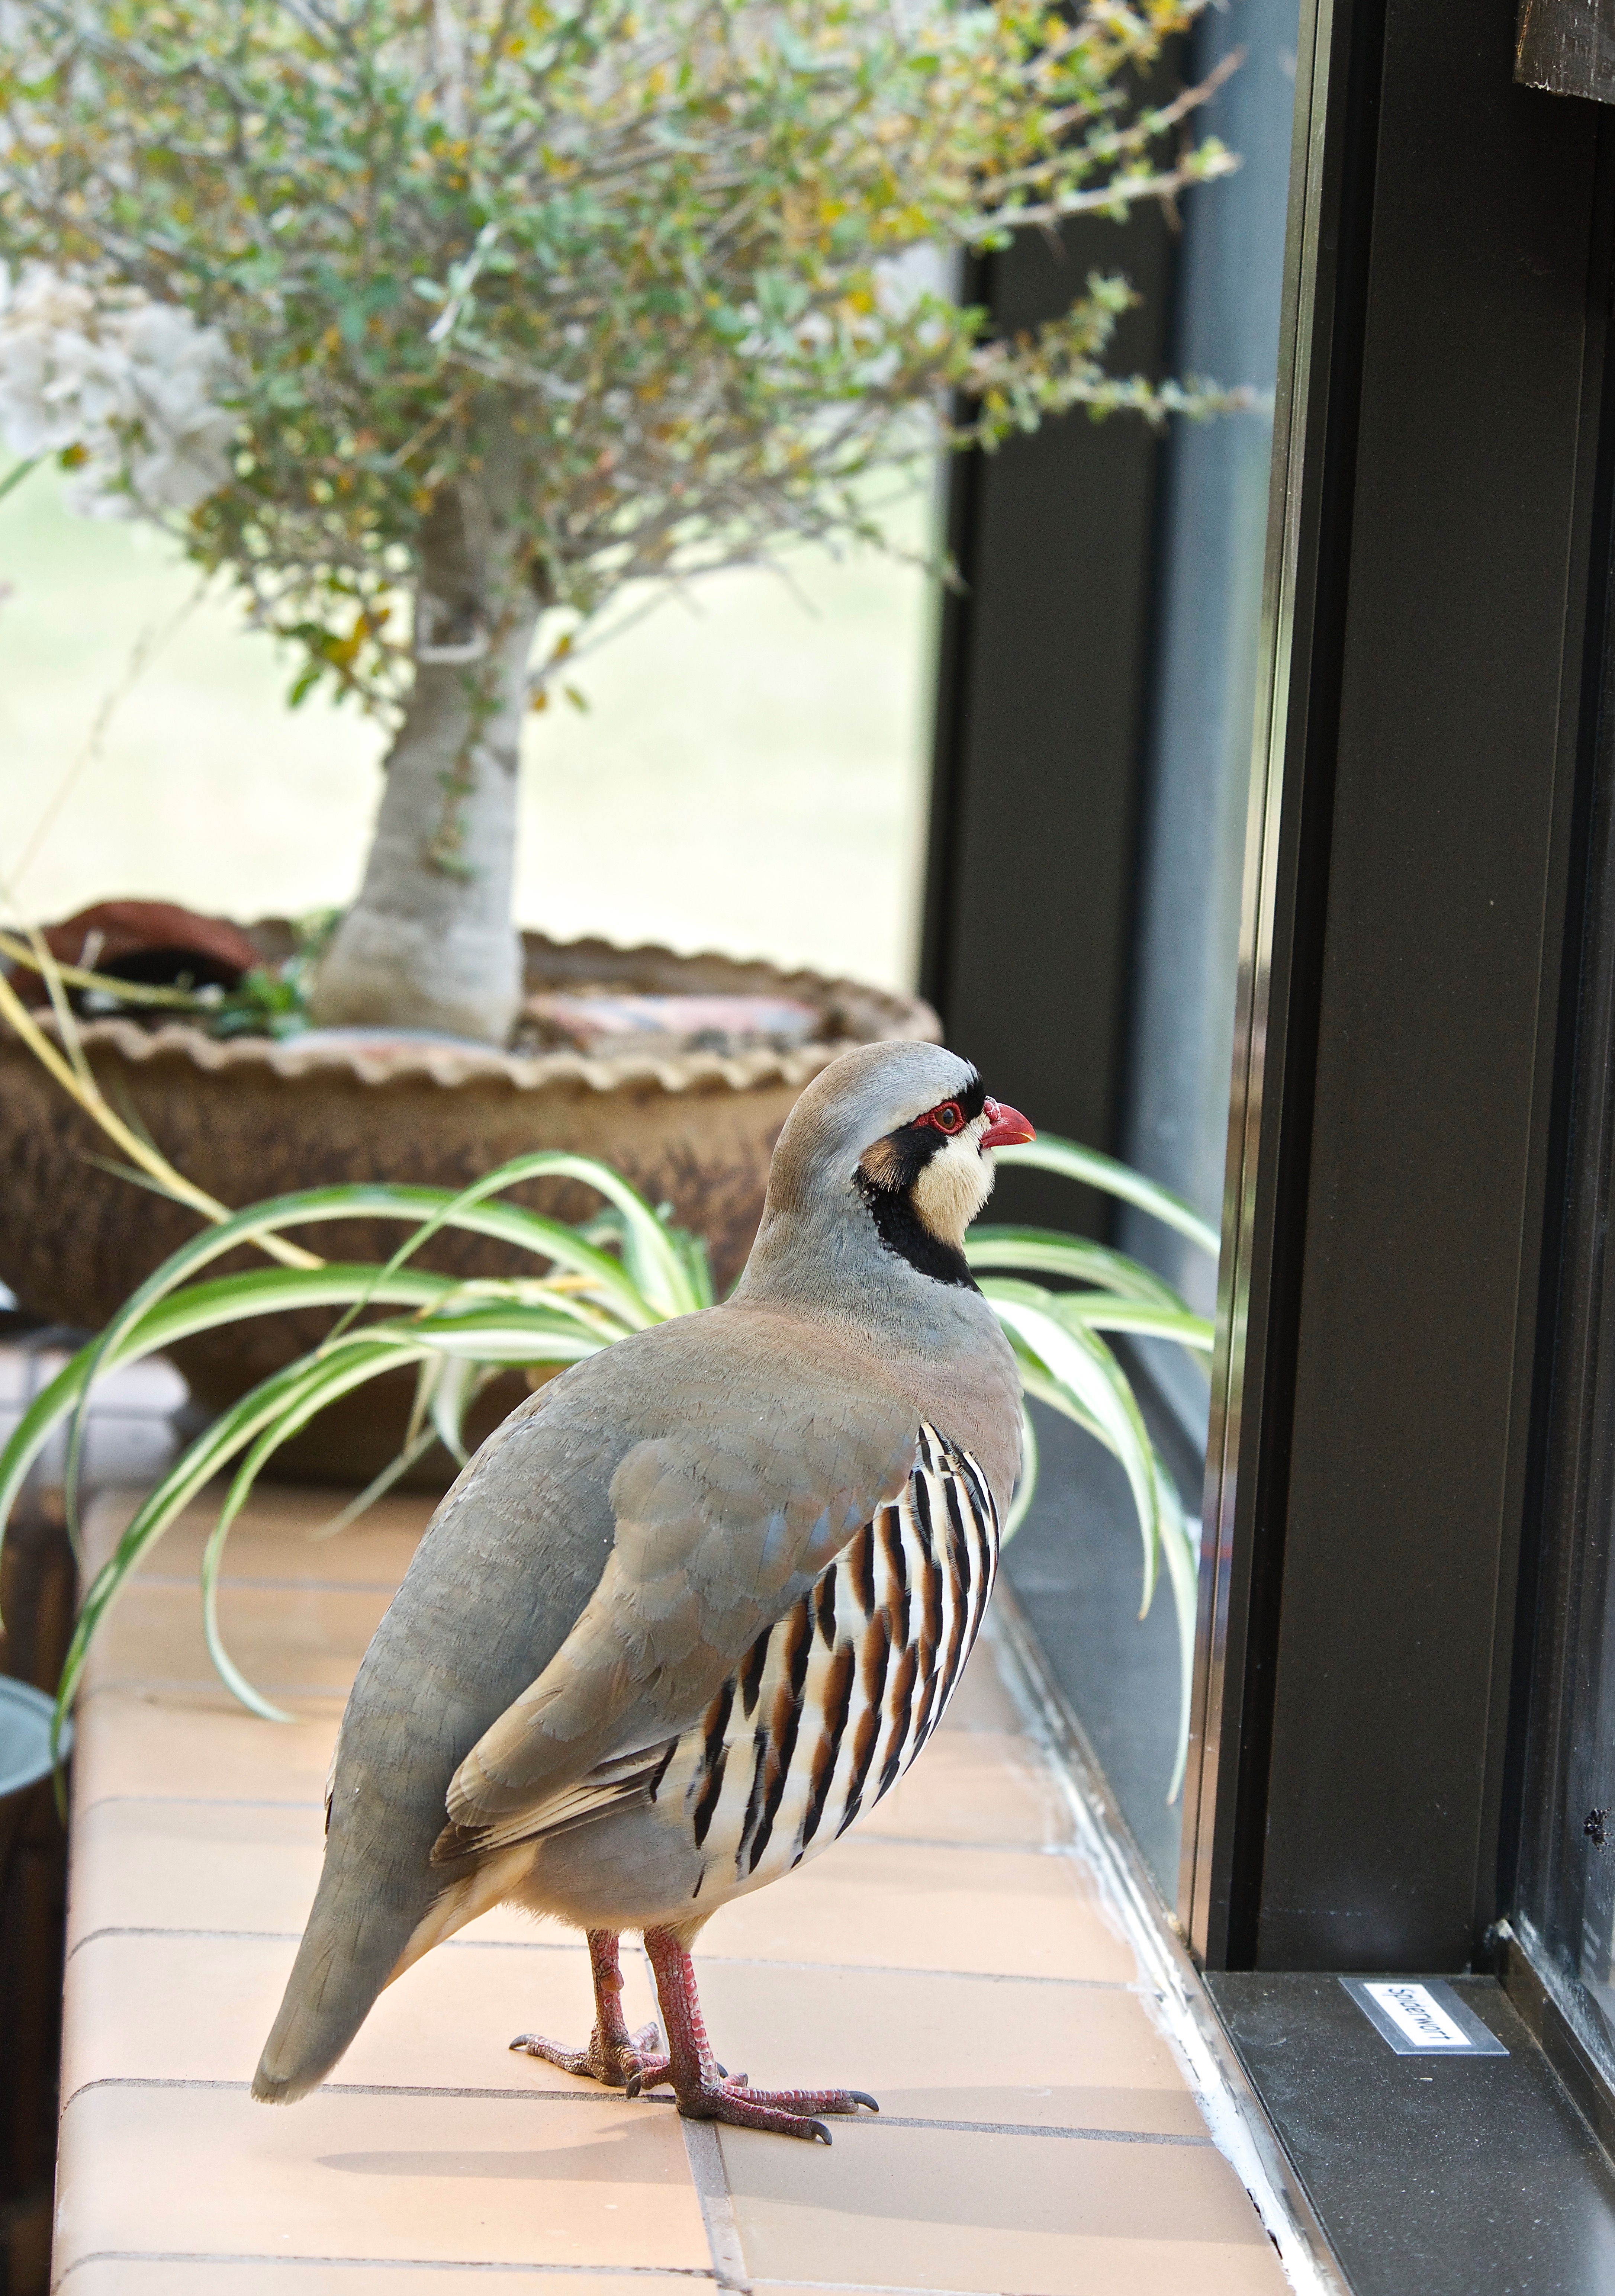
(888, 1152)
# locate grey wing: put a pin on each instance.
(720, 1528)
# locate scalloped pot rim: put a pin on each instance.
(377, 1056)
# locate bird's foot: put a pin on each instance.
(703, 2089)
(616, 2060)
(786, 2111)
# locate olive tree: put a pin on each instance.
(433, 323)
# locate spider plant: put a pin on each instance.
(592, 1283)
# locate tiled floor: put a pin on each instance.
(955, 1956)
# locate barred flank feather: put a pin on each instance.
(834, 1700)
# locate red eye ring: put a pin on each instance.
(949, 1118)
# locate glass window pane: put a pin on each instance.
(1565, 1908)
(1077, 1562)
(749, 775)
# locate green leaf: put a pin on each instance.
(201, 1307)
(1050, 1153)
(1026, 1489)
(18, 472)
(417, 1447)
(429, 1208)
(1047, 1252)
(212, 1449)
(656, 1284)
(1095, 1313)
(1040, 1388)
(451, 1398)
(1084, 1366)
(1182, 1555)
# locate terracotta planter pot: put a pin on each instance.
(250, 1117)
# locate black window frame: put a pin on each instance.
(1437, 578)
(1398, 1288)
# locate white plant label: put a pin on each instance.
(1416, 2012)
(1423, 2017)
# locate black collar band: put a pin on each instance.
(901, 1230)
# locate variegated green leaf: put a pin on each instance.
(1050, 1153)
(1044, 1252)
(1081, 1364)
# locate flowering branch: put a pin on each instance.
(276, 270)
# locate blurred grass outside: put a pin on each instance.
(751, 774)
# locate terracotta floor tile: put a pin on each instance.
(907, 1960)
(453, 2016)
(983, 1700)
(298, 1638)
(168, 2008)
(200, 1744)
(433, 2179)
(190, 2008)
(1045, 2215)
(1013, 1912)
(190, 1866)
(178, 2007)
(238, 2277)
(951, 2048)
(985, 1785)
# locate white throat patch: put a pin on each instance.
(954, 1186)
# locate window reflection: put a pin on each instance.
(1075, 1564)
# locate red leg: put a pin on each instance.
(614, 2055)
(704, 2091)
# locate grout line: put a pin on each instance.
(291, 1937)
(711, 2178)
(706, 2163)
(188, 1579)
(910, 1969)
(362, 2089)
(1030, 2129)
(868, 1841)
(194, 1685)
(709, 1961)
(1183, 2011)
(248, 1937)
(142, 1685)
(195, 1801)
(395, 2264)
(877, 1840)
(872, 2287)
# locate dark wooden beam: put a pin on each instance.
(1568, 47)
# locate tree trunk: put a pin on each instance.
(431, 943)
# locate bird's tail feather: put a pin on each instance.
(350, 1948)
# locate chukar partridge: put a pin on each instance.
(695, 1606)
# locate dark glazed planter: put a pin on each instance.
(250, 1118)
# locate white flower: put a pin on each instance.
(131, 384)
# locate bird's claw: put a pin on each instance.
(786, 2111)
(650, 2073)
(615, 2063)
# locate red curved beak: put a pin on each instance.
(1007, 1128)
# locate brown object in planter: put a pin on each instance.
(1567, 48)
(38, 1589)
(613, 1026)
(109, 932)
(251, 1118)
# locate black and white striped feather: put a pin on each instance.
(832, 1702)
